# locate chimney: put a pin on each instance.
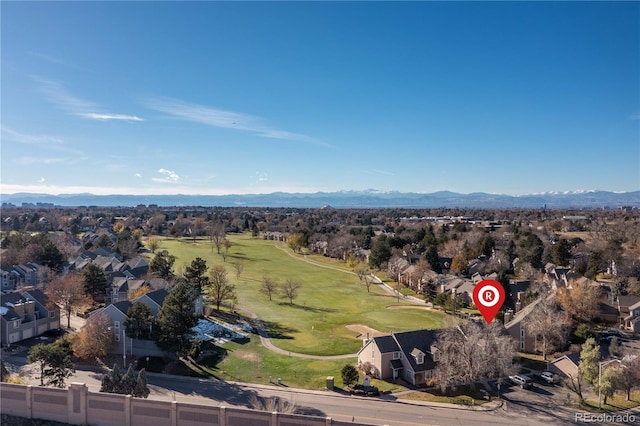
(508, 316)
(518, 306)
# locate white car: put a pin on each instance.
(547, 376)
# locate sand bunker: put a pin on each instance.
(363, 330)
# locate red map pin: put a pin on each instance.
(488, 296)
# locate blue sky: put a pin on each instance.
(242, 97)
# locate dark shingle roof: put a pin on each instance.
(386, 344)
(122, 306)
(158, 296)
(418, 339)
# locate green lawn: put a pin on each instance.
(330, 298)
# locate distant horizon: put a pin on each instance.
(364, 191)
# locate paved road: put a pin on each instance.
(521, 407)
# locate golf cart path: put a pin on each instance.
(266, 342)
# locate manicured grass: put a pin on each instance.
(617, 403)
(330, 298)
(462, 396)
(252, 363)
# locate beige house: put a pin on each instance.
(410, 356)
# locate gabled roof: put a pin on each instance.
(386, 344)
(419, 340)
(522, 314)
(7, 301)
(39, 297)
(122, 306)
(158, 296)
(634, 306)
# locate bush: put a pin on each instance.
(349, 375)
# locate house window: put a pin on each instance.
(116, 325)
(16, 324)
(52, 314)
(522, 333)
(373, 354)
(522, 345)
(396, 355)
(420, 359)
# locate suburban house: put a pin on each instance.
(632, 321)
(410, 356)
(26, 314)
(624, 303)
(566, 365)
(117, 312)
(8, 278)
(515, 324)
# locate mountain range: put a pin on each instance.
(346, 199)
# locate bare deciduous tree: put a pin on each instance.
(269, 286)
(469, 352)
(548, 324)
(580, 300)
(290, 290)
(219, 288)
(68, 293)
(95, 338)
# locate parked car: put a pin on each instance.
(523, 381)
(548, 377)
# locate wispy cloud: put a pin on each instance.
(379, 172)
(39, 160)
(169, 176)
(104, 117)
(74, 105)
(138, 175)
(224, 119)
(43, 142)
(29, 139)
(259, 177)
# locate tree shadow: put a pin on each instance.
(276, 330)
(308, 308)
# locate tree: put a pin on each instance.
(548, 324)
(128, 243)
(630, 378)
(268, 286)
(470, 352)
(162, 264)
(68, 293)
(589, 359)
(54, 362)
(219, 288)
(226, 244)
(95, 282)
(127, 384)
(609, 380)
(139, 319)
(580, 300)
(430, 291)
(295, 242)
(364, 275)
(561, 252)
(176, 319)
(239, 267)
(290, 290)
(153, 243)
(195, 274)
(349, 375)
(95, 338)
(380, 251)
(216, 235)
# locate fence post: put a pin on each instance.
(329, 421)
(174, 413)
(29, 398)
(77, 403)
(127, 410)
(223, 416)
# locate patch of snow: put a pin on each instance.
(209, 330)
